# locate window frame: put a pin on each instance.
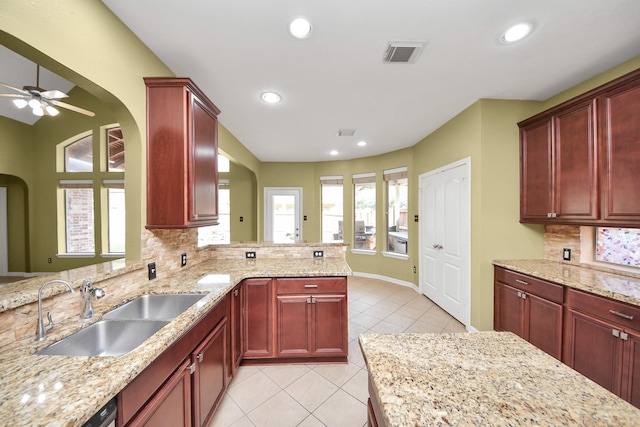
(360, 230)
(394, 176)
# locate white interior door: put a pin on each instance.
(444, 238)
(4, 238)
(282, 214)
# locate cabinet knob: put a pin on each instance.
(200, 357)
(235, 293)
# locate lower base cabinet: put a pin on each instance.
(184, 385)
(170, 406)
(603, 343)
(530, 308)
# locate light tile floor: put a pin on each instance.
(330, 395)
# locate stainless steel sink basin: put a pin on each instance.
(105, 338)
(154, 307)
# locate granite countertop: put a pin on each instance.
(67, 391)
(488, 378)
(610, 285)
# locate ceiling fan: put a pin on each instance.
(42, 102)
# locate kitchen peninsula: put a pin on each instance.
(488, 378)
(66, 391)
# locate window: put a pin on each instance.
(397, 204)
(115, 150)
(332, 211)
(221, 233)
(618, 246)
(78, 156)
(364, 227)
(92, 216)
(115, 216)
(78, 212)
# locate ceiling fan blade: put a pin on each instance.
(14, 88)
(53, 94)
(13, 95)
(71, 107)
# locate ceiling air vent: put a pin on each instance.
(347, 132)
(403, 52)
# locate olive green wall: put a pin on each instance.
(244, 203)
(83, 42)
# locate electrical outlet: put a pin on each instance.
(318, 254)
(566, 254)
(152, 270)
(183, 259)
(414, 268)
(250, 255)
(49, 260)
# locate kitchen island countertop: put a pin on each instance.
(487, 378)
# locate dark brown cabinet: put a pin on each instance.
(530, 308)
(187, 381)
(602, 342)
(171, 405)
(237, 327)
(182, 150)
(558, 165)
(620, 153)
(258, 319)
(210, 373)
(578, 160)
(311, 317)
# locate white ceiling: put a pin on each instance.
(237, 49)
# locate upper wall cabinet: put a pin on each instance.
(620, 153)
(579, 160)
(182, 151)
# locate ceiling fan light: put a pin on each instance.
(38, 111)
(34, 103)
(20, 103)
(52, 111)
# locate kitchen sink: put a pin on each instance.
(105, 338)
(154, 307)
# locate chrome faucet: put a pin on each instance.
(87, 291)
(41, 330)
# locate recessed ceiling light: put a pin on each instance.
(362, 143)
(334, 152)
(517, 32)
(271, 97)
(300, 28)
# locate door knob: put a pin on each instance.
(436, 246)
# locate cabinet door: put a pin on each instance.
(329, 325)
(631, 371)
(536, 182)
(592, 349)
(171, 405)
(258, 318)
(509, 307)
(236, 327)
(204, 171)
(544, 325)
(620, 142)
(294, 325)
(575, 163)
(210, 376)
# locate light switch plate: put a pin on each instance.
(566, 254)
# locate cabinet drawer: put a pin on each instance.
(604, 308)
(541, 288)
(311, 285)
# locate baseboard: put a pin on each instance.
(388, 279)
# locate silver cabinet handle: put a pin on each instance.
(617, 313)
(310, 286)
(522, 281)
